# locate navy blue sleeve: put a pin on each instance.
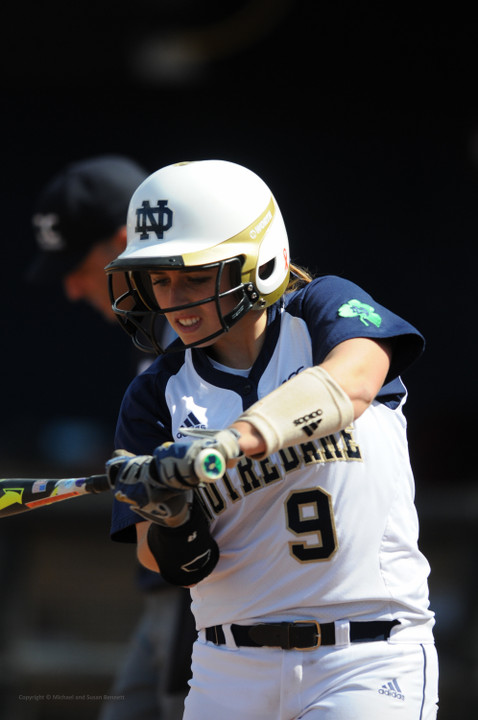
(336, 309)
(144, 421)
(143, 424)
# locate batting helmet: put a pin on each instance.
(203, 214)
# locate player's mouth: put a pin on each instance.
(188, 324)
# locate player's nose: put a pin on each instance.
(178, 294)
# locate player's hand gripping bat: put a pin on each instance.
(174, 467)
(159, 487)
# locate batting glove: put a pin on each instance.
(159, 487)
(135, 481)
(204, 460)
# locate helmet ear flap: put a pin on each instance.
(267, 269)
(272, 273)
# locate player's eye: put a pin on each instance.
(158, 280)
(199, 279)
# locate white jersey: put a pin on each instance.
(326, 529)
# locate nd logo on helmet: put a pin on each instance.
(153, 219)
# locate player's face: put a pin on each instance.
(174, 288)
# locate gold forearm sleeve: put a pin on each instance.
(311, 405)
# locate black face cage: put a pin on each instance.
(140, 316)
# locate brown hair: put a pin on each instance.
(299, 277)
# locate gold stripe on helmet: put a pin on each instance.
(245, 243)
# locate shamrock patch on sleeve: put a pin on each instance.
(365, 313)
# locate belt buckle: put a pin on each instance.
(318, 634)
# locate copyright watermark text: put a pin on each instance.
(47, 697)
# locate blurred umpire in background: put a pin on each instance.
(80, 227)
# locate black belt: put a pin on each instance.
(299, 635)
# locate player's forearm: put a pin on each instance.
(317, 402)
(359, 366)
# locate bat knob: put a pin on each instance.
(209, 465)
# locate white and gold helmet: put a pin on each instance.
(209, 213)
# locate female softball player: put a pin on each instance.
(308, 588)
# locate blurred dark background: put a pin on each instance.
(363, 119)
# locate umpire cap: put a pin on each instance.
(84, 204)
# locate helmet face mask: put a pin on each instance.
(199, 216)
(140, 314)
